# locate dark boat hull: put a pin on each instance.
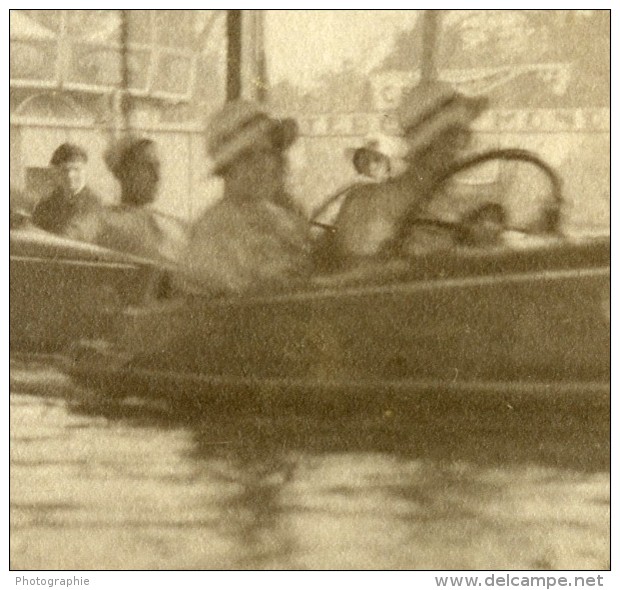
(526, 321)
(62, 291)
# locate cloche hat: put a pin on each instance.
(430, 108)
(241, 126)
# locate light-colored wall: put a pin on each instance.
(185, 190)
(580, 155)
(318, 166)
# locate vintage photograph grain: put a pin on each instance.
(310, 290)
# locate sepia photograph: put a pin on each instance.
(299, 290)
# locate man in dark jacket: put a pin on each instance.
(71, 210)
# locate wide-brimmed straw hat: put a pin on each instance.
(242, 126)
(430, 108)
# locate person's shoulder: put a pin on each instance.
(46, 208)
(89, 196)
(44, 204)
(366, 197)
(226, 213)
(51, 199)
(365, 190)
(128, 217)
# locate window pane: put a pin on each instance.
(173, 74)
(96, 26)
(175, 28)
(101, 67)
(140, 24)
(33, 60)
(35, 22)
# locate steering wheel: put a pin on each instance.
(550, 215)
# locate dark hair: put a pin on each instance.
(139, 151)
(284, 133)
(362, 157)
(136, 150)
(68, 152)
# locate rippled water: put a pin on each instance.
(403, 485)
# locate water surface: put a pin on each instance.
(399, 485)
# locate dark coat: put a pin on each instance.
(74, 217)
(371, 217)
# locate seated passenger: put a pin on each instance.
(72, 208)
(131, 227)
(435, 120)
(255, 235)
(379, 158)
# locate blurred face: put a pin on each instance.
(259, 174)
(444, 150)
(379, 168)
(71, 176)
(142, 183)
(372, 164)
(140, 179)
(450, 143)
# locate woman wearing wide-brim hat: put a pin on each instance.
(435, 120)
(254, 236)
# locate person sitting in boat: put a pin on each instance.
(436, 123)
(379, 158)
(255, 235)
(131, 226)
(72, 208)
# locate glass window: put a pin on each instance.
(173, 74)
(94, 26)
(176, 28)
(140, 25)
(38, 22)
(34, 45)
(33, 60)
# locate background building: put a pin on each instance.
(340, 73)
(67, 80)
(547, 74)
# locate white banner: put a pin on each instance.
(388, 87)
(596, 120)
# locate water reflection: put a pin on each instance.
(401, 484)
